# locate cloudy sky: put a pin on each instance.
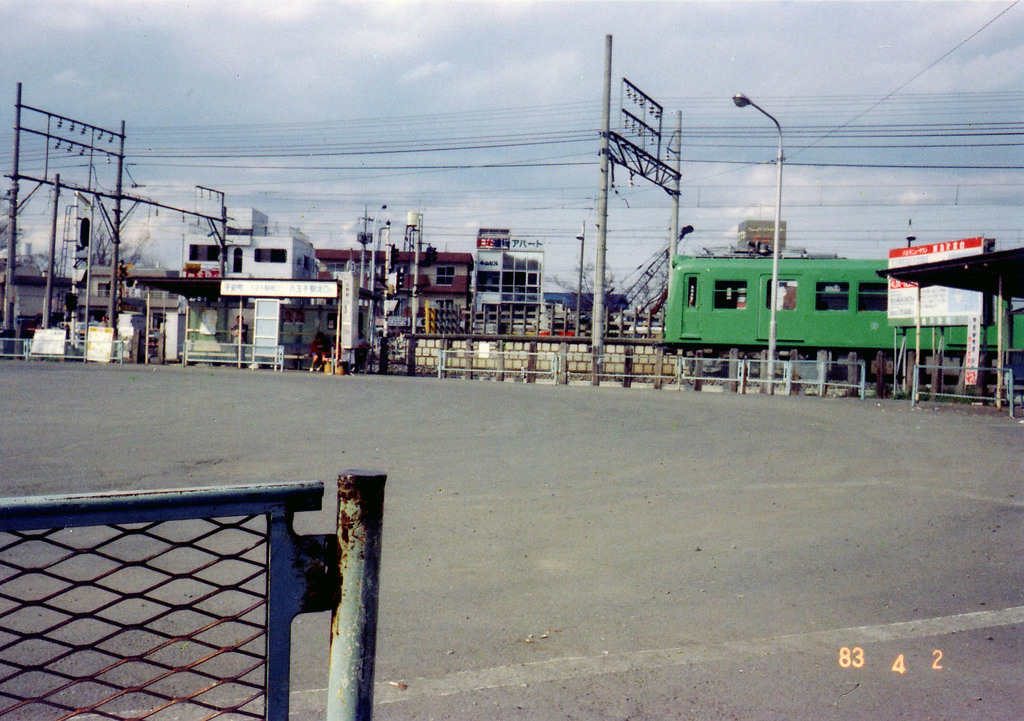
(897, 117)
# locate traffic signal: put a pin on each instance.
(431, 256)
(83, 223)
(392, 256)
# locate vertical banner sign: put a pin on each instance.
(973, 352)
(349, 311)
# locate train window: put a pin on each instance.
(873, 296)
(730, 294)
(691, 291)
(832, 296)
(787, 294)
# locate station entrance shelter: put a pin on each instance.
(266, 323)
(998, 275)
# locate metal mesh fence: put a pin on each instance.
(156, 620)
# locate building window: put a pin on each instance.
(203, 252)
(271, 255)
(832, 296)
(488, 281)
(237, 265)
(730, 294)
(873, 296)
(445, 275)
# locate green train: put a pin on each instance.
(720, 302)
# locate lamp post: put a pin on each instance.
(743, 101)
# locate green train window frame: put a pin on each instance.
(832, 296)
(787, 298)
(730, 295)
(873, 297)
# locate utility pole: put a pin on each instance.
(414, 233)
(597, 314)
(579, 286)
(115, 284)
(12, 223)
(53, 249)
(673, 237)
(643, 157)
(222, 236)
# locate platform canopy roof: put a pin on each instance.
(980, 272)
(208, 289)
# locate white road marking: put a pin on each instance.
(560, 669)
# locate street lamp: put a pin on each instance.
(743, 101)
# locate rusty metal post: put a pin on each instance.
(354, 621)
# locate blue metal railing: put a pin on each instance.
(124, 605)
(991, 385)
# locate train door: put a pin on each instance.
(690, 325)
(788, 317)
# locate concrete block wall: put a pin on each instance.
(518, 357)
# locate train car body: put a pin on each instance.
(723, 302)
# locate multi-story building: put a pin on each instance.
(509, 282)
(251, 252)
(444, 284)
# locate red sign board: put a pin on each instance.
(210, 273)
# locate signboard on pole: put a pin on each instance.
(940, 306)
(49, 342)
(348, 308)
(99, 344)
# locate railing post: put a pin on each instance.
(354, 622)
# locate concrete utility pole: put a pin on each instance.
(414, 233)
(53, 249)
(673, 238)
(597, 320)
(12, 223)
(115, 285)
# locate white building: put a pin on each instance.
(252, 252)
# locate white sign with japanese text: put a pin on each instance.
(939, 305)
(254, 288)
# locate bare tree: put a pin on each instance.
(132, 252)
(571, 286)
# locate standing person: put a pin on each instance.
(318, 349)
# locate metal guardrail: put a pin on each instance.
(697, 372)
(820, 375)
(498, 364)
(1002, 387)
(179, 603)
(15, 348)
(245, 354)
(73, 350)
(828, 375)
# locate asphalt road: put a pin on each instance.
(600, 553)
